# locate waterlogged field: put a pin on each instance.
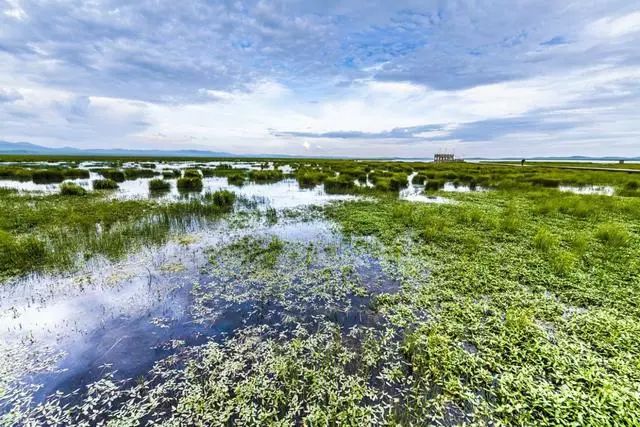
(316, 292)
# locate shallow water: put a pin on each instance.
(123, 317)
(589, 189)
(415, 193)
(279, 195)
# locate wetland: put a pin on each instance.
(317, 292)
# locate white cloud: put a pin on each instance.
(616, 26)
(14, 10)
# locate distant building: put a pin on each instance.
(445, 158)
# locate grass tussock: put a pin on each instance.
(72, 189)
(190, 184)
(105, 184)
(159, 185)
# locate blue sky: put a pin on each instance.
(357, 78)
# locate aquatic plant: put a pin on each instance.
(135, 173)
(168, 174)
(236, 179)
(338, 184)
(190, 184)
(104, 184)
(159, 185)
(612, 235)
(72, 189)
(266, 176)
(192, 173)
(112, 174)
(43, 176)
(433, 184)
(308, 178)
(223, 199)
(419, 179)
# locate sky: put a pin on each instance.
(324, 78)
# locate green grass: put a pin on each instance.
(223, 199)
(339, 184)
(72, 189)
(192, 173)
(515, 306)
(190, 183)
(104, 184)
(266, 176)
(135, 173)
(159, 185)
(546, 306)
(53, 233)
(112, 174)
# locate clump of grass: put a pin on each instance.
(338, 184)
(419, 179)
(134, 173)
(190, 184)
(309, 178)
(544, 241)
(434, 184)
(612, 235)
(15, 173)
(72, 189)
(236, 179)
(169, 174)
(105, 184)
(579, 243)
(159, 185)
(43, 176)
(511, 222)
(545, 182)
(148, 165)
(223, 199)
(192, 173)
(562, 262)
(264, 176)
(113, 174)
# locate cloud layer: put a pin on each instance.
(485, 78)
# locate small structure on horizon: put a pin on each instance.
(445, 158)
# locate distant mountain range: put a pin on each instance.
(33, 149)
(28, 148)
